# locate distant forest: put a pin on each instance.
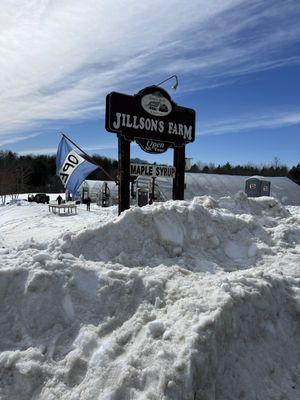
(36, 173)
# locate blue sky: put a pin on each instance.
(238, 64)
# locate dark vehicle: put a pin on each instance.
(39, 198)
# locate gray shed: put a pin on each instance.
(257, 186)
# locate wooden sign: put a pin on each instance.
(156, 123)
(151, 115)
(152, 170)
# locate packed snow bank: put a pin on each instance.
(90, 317)
(72, 331)
(202, 235)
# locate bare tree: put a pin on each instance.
(21, 176)
(14, 177)
(276, 162)
(6, 183)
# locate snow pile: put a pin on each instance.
(178, 301)
(201, 235)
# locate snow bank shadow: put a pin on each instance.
(262, 355)
(42, 312)
(200, 235)
(249, 350)
(47, 308)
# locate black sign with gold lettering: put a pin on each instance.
(150, 115)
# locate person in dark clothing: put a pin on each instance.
(88, 204)
(59, 199)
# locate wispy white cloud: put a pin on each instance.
(271, 120)
(58, 59)
(9, 138)
(53, 150)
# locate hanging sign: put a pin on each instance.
(150, 115)
(153, 146)
(152, 170)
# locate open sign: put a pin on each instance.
(72, 161)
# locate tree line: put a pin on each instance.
(274, 169)
(37, 173)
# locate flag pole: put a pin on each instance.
(89, 157)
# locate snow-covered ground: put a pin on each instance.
(177, 301)
(20, 223)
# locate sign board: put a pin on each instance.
(156, 123)
(153, 146)
(152, 170)
(150, 115)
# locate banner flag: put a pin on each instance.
(71, 167)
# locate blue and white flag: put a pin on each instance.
(71, 167)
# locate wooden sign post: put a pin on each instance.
(178, 181)
(156, 123)
(124, 173)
